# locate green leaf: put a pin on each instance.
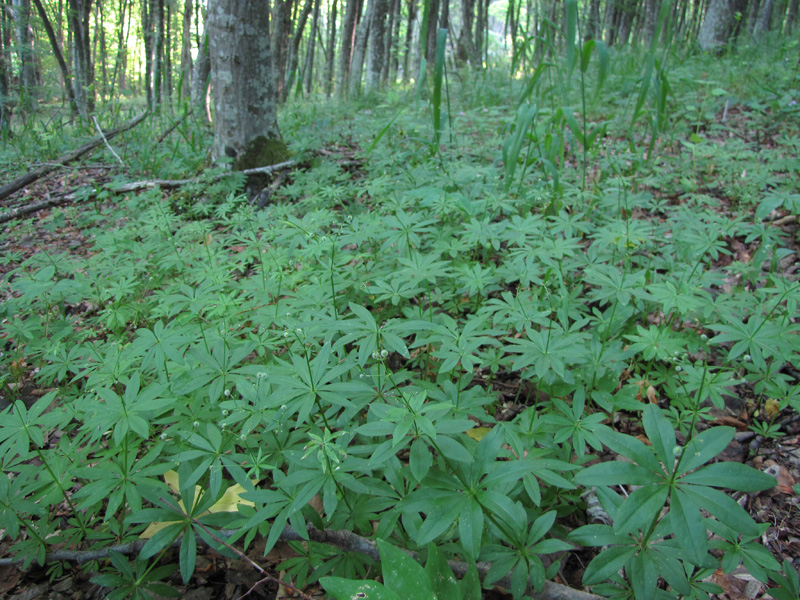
(615, 472)
(723, 507)
(640, 508)
(630, 447)
(401, 572)
(607, 563)
(704, 447)
(471, 585)
(445, 584)
(188, 554)
(340, 588)
(420, 459)
(661, 434)
(687, 524)
(731, 475)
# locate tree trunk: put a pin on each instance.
(331, 54)
(201, 71)
(764, 21)
(377, 50)
(412, 16)
(464, 39)
(359, 51)
(717, 25)
(431, 30)
(62, 64)
(593, 21)
(477, 43)
(389, 47)
(294, 50)
(791, 17)
(281, 33)
(186, 51)
(25, 53)
(308, 69)
(650, 20)
(158, 53)
(122, 38)
(346, 54)
(245, 119)
(5, 111)
(83, 79)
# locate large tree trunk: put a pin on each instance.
(201, 71)
(158, 54)
(62, 64)
(83, 72)
(308, 69)
(763, 23)
(27, 71)
(412, 16)
(245, 119)
(122, 38)
(593, 21)
(330, 51)
(186, 51)
(717, 25)
(5, 111)
(294, 51)
(359, 51)
(791, 17)
(377, 50)
(346, 54)
(281, 33)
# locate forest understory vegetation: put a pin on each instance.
(546, 324)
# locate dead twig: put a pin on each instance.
(100, 133)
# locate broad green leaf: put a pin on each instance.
(340, 588)
(687, 524)
(615, 472)
(731, 475)
(401, 572)
(629, 447)
(661, 434)
(723, 507)
(444, 583)
(639, 509)
(705, 446)
(607, 563)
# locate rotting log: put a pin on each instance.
(31, 176)
(126, 188)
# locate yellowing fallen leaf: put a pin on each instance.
(477, 433)
(227, 503)
(772, 407)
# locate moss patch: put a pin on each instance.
(261, 152)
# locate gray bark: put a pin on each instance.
(186, 50)
(346, 54)
(717, 25)
(294, 50)
(22, 14)
(201, 72)
(412, 16)
(593, 21)
(763, 23)
(244, 90)
(791, 17)
(83, 73)
(359, 51)
(377, 50)
(330, 51)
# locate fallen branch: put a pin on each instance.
(105, 140)
(31, 176)
(127, 188)
(344, 540)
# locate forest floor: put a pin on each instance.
(731, 156)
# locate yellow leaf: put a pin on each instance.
(477, 433)
(772, 407)
(229, 502)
